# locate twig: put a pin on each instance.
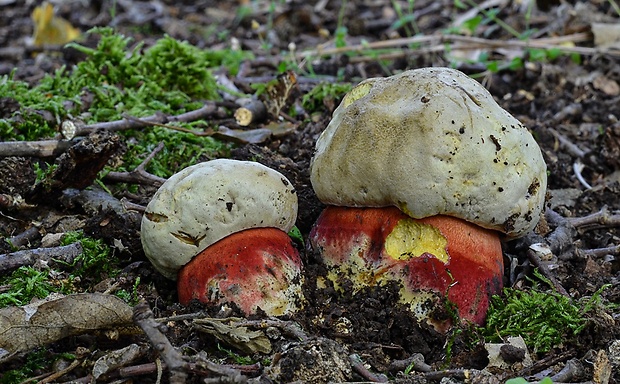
(569, 145)
(416, 360)
(562, 237)
(74, 364)
(549, 361)
(145, 369)
(129, 206)
(143, 317)
(577, 168)
(72, 129)
(571, 110)
(598, 219)
(43, 148)
(533, 256)
(288, 327)
(439, 41)
(459, 374)
(65, 253)
(225, 374)
(139, 175)
(359, 368)
(572, 369)
(25, 237)
(600, 252)
(210, 132)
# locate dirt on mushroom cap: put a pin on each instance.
(208, 201)
(431, 141)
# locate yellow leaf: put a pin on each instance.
(50, 29)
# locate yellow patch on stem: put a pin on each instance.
(410, 238)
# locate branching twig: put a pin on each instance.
(143, 317)
(563, 236)
(70, 129)
(139, 175)
(598, 219)
(600, 252)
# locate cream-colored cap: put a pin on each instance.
(208, 201)
(431, 141)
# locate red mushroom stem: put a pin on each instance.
(441, 255)
(253, 268)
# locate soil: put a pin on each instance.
(572, 109)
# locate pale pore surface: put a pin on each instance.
(208, 201)
(431, 141)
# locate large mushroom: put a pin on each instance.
(220, 229)
(454, 172)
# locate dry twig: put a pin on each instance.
(65, 253)
(437, 43)
(70, 129)
(600, 219)
(359, 368)
(139, 175)
(143, 317)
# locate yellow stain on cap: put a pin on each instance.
(356, 93)
(411, 238)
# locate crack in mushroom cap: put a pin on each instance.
(431, 141)
(206, 202)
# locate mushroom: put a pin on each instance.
(220, 229)
(455, 174)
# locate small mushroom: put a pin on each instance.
(220, 229)
(460, 170)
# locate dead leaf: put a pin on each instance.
(252, 136)
(602, 368)
(606, 85)
(498, 357)
(50, 29)
(33, 325)
(606, 35)
(116, 359)
(240, 337)
(281, 128)
(278, 92)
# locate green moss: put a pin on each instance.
(96, 258)
(545, 319)
(25, 284)
(316, 98)
(34, 361)
(170, 77)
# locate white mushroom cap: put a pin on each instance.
(431, 141)
(208, 201)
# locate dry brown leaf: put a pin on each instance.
(116, 359)
(602, 368)
(252, 136)
(240, 337)
(278, 92)
(33, 325)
